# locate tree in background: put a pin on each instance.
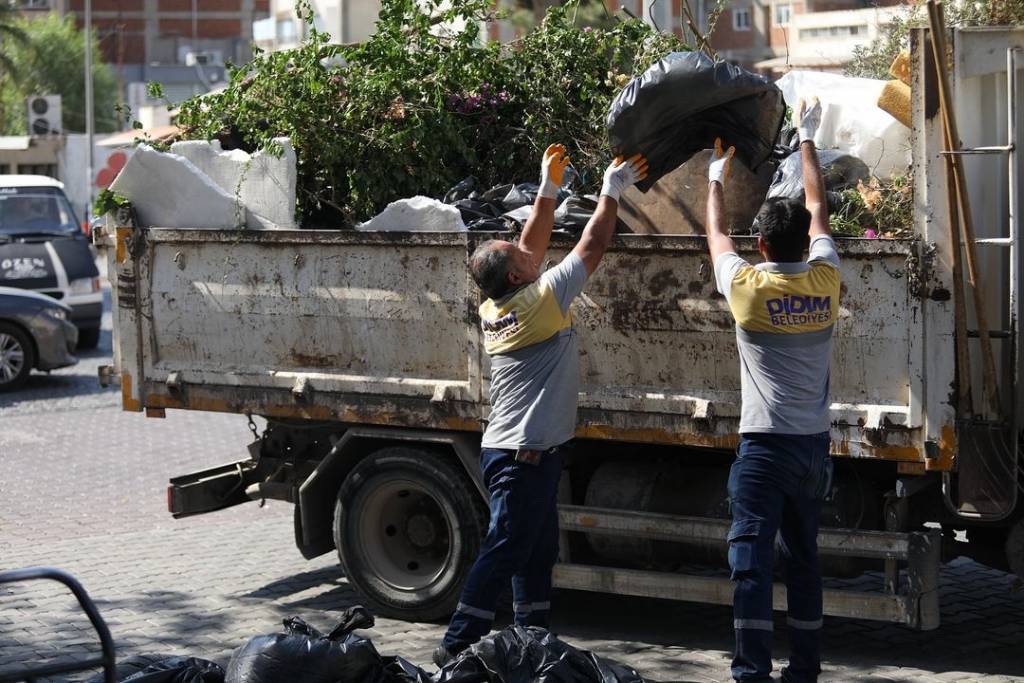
(873, 60)
(10, 32)
(50, 60)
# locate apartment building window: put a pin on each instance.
(5, 169)
(286, 31)
(38, 169)
(741, 19)
(34, 4)
(833, 31)
(782, 14)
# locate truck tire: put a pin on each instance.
(17, 356)
(408, 525)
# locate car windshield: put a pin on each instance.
(33, 210)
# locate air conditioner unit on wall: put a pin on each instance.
(44, 115)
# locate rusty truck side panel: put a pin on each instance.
(381, 328)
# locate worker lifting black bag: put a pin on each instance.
(681, 104)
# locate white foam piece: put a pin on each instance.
(418, 214)
(264, 183)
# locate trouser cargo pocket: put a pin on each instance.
(743, 546)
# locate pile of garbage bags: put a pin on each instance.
(507, 207)
(302, 653)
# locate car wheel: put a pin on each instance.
(17, 357)
(408, 525)
(88, 338)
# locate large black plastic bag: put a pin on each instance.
(164, 669)
(682, 103)
(532, 655)
(304, 654)
(179, 670)
(839, 169)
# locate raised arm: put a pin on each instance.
(718, 238)
(537, 232)
(816, 201)
(598, 233)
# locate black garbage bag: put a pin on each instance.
(573, 214)
(682, 103)
(401, 670)
(840, 170)
(532, 655)
(463, 189)
(164, 669)
(473, 210)
(304, 654)
(179, 670)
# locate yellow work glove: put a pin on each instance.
(552, 171)
(719, 168)
(623, 173)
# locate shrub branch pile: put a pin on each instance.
(426, 102)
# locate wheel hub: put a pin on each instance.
(420, 531)
(12, 357)
(404, 534)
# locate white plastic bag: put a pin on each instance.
(851, 120)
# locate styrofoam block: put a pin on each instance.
(419, 214)
(263, 182)
(167, 190)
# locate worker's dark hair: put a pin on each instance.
(784, 225)
(489, 268)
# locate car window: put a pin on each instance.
(35, 210)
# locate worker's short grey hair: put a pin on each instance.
(489, 268)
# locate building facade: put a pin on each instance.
(774, 36)
(181, 44)
(345, 21)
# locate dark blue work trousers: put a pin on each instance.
(776, 485)
(521, 546)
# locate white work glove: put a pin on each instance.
(720, 167)
(623, 173)
(552, 171)
(806, 120)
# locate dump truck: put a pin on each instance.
(363, 353)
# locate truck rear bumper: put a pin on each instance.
(210, 490)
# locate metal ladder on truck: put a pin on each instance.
(988, 472)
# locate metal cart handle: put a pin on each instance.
(107, 660)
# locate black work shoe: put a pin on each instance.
(442, 656)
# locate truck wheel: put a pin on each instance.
(408, 525)
(16, 357)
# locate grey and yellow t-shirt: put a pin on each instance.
(534, 354)
(784, 314)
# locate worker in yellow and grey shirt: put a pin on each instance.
(528, 334)
(785, 311)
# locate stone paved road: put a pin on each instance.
(82, 487)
